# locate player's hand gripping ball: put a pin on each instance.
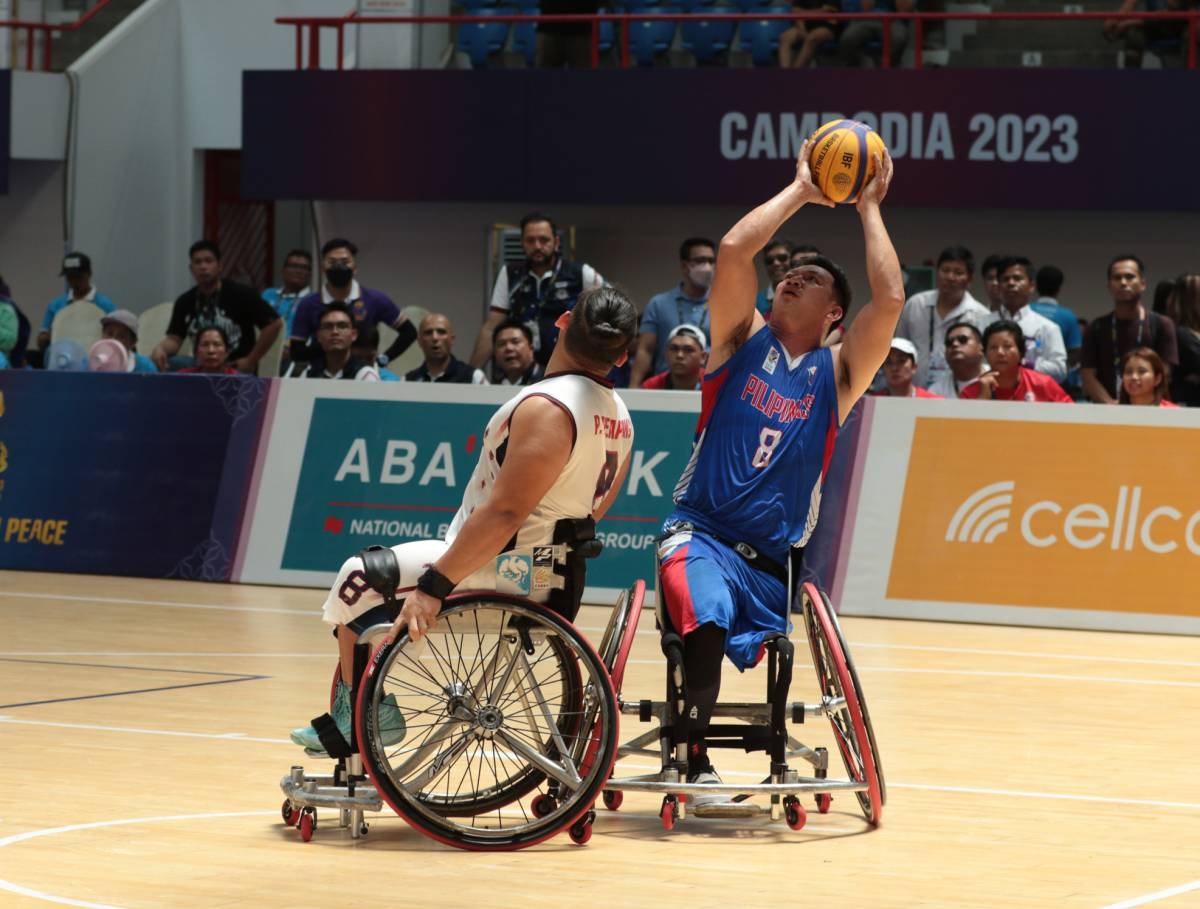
(842, 159)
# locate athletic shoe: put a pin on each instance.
(391, 721)
(706, 776)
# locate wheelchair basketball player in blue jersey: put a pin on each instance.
(772, 401)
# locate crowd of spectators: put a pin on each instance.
(1018, 341)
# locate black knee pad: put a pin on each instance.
(381, 570)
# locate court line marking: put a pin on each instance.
(71, 828)
(1155, 897)
(135, 730)
(174, 604)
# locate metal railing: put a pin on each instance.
(309, 28)
(48, 30)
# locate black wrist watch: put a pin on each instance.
(434, 583)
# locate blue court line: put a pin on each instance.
(230, 678)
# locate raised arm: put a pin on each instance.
(731, 304)
(870, 334)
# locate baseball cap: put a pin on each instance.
(906, 346)
(122, 317)
(687, 328)
(75, 261)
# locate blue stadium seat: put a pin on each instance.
(707, 39)
(525, 38)
(480, 40)
(689, 6)
(470, 6)
(649, 39)
(608, 35)
(761, 36)
(748, 6)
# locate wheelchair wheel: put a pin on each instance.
(622, 628)
(510, 724)
(839, 682)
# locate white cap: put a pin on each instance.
(907, 346)
(687, 328)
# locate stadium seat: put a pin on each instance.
(707, 39)
(480, 40)
(78, 322)
(470, 6)
(649, 39)
(760, 37)
(524, 40)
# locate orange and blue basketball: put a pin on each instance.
(842, 158)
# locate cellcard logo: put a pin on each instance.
(1067, 515)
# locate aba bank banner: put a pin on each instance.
(349, 465)
(1085, 517)
(1028, 138)
(139, 475)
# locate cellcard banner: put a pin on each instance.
(1084, 517)
(5, 126)
(349, 465)
(140, 475)
(1024, 138)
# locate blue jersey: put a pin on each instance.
(762, 448)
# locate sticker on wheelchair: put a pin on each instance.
(543, 568)
(514, 573)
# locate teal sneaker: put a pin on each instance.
(343, 715)
(392, 727)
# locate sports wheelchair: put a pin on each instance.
(511, 721)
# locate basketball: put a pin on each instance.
(841, 159)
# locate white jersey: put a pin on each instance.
(603, 438)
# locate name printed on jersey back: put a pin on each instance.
(774, 405)
(613, 429)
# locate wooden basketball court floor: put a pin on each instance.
(144, 731)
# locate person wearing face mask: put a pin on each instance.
(368, 307)
(686, 303)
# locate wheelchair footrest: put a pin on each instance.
(729, 809)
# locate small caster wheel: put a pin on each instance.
(613, 799)
(291, 814)
(824, 800)
(308, 824)
(581, 831)
(543, 805)
(794, 813)
(362, 831)
(669, 813)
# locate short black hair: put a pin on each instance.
(1049, 280)
(512, 323)
(686, 247)
(992, 262)
(218, 329)
(957, 254)
(536, 216)
(603, 322)
(338, 243)
(775, 243)
(963, 324)
(1009, 326)
(298, 254)
(1126, 257)
(204, 246)
(1009, 261)
(337, 306)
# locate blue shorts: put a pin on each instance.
(703, 581)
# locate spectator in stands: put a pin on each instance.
(899, 369)
(777, 257)
(1128, 326)
(339, 262)
(1183, 308)
(366, 350)
(512, 343)
(122, 325)
(336, 335)
(297, 276)
(212, 354)
(562, 44)
(536, 290)
(687, 349)
(9, 326)
(685, 303)
(857, 34)
(1137, 34)
(1007, 379)
(10, 314)
(964, 355)
(77, 269)
(927, 314)
(1049, 283)
(990, 273)
(436, 337)
(1044, 349)
(798, 45)
(802, 253)
(249, 322)
(1144, 379)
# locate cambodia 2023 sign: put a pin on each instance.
(1030, 138)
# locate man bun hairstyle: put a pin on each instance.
(602, 324)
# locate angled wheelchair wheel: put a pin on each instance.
(622, 628)
(840, 687)
(509, 724)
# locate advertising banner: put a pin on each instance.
(1031, 514)
(1025, 138)
(125, 474)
